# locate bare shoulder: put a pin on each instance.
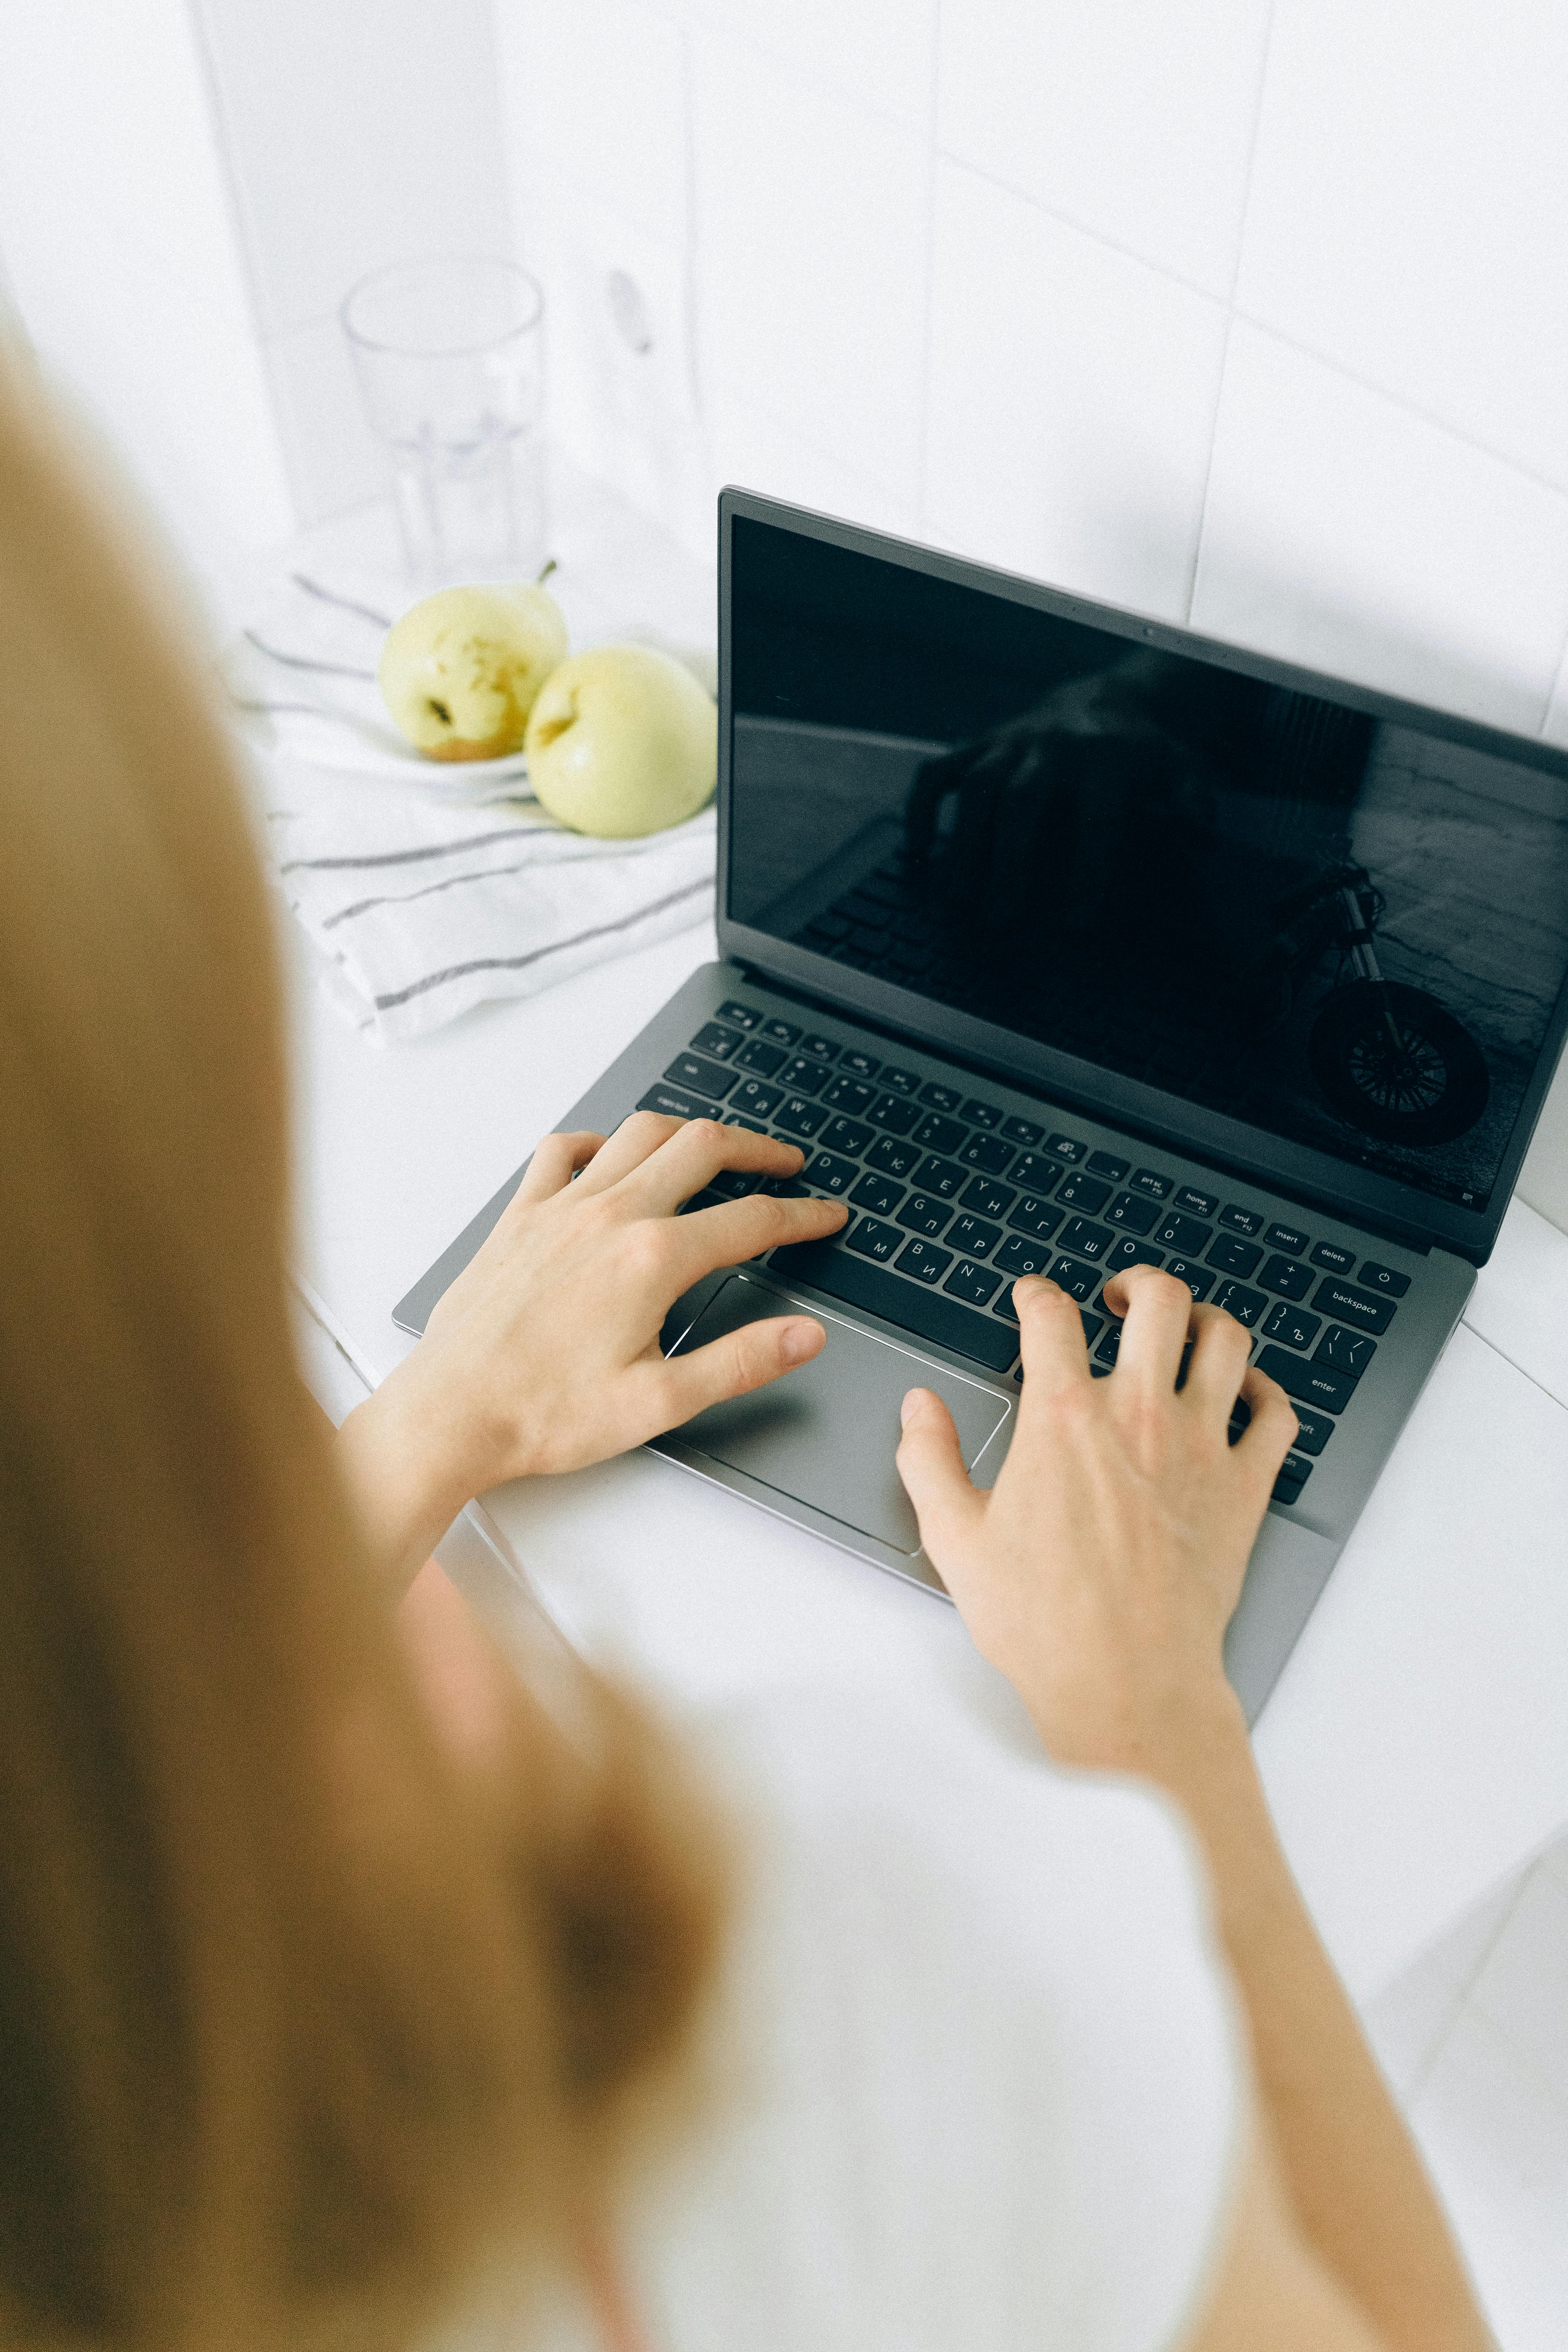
(1271, 2287)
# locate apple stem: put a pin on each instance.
(544, 576)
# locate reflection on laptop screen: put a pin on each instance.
(1347, 931)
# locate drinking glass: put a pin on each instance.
(450, 354)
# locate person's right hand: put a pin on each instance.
(1101, 1571)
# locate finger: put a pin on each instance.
(1050, 1334)
(732, 1367)
(935, 1480)
(694, 1155)
(1272, 1430)
(1221, 1347)
(634, 1140)
(554, 1163)
(738, 1230)
(1156, 1311)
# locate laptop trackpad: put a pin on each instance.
(825, 1434)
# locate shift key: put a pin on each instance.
(1313, 1383)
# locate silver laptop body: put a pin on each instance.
(1061, 939)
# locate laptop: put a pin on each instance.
(1060, 940)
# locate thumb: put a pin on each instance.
(931, 1467)
(730, 1366)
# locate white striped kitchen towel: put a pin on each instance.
(420, 912)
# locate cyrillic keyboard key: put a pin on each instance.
(1362, 1308)
(893, 1114)
(1110, 1347)
(1248, 1306)
(988, 1153)
(935, 1133)
(1133, 1215)
(721, 1043)
(1085, 1193)
(752, 1097)
(845, 1135)
(829, 1173)
(1079, 1238)
(1034, 1172)
(1233, 1256)
(974, 1284)
(1020, 1255)
(870, 1238)
(1184, 1234)
(925, 1215)
(1317, 1384)
(943, 1176)
(1035, 1216)
(796, 1117)
(1287, 1276)
(879, 1194)
(1199, 1283)
(974, 1237)
(1383, 1279)
(844, 1092)
(1080, 1281)
(930, 1314)
(1293, 1329)
(1125, 1252)
(924, 1261)
(1347, 1351)
(889, 1156)
(986, 1198)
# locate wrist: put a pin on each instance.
(408, 1470)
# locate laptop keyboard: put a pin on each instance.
(951, 1198)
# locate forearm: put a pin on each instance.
(1360, 2192)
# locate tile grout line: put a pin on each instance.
(1230, 308)
(1560, 1402)
(934, 161)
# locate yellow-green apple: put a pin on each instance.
(460, 670)
(621, 742)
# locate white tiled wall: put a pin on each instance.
(1247, 311)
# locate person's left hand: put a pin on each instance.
(544, 1355)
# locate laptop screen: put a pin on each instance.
(1337, 927)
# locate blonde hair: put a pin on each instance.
(293, 2027)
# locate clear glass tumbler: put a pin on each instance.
(450, 354)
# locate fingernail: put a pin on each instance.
(799, 1340)
(907, 1409)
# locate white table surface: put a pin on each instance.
(1415, 1749)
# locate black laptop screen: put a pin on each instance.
(1348, 931)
